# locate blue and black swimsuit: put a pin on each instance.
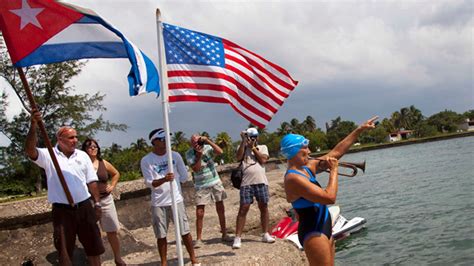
(314, 218)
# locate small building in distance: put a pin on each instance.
(399, 135)
(467, 125)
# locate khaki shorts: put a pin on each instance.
(161, 217)
(207, 195)
(109, 220)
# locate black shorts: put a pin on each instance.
(314, 221)
(81, 221)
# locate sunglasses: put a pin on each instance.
(160, 139)
(92, 147)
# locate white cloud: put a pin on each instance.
(352, 58)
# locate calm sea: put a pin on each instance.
(418, 201)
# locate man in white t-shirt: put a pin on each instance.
(155, 170)
(254, 183)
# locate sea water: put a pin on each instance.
(418, 201)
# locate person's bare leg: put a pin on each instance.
(220, 209)
(200, 209)
(264, 216)
(318, 250)
(162, 249)
(188, 243)
(241, 216)
(93, 260)
(115, 245)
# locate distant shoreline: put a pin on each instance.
(403, 143)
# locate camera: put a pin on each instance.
(200, 142)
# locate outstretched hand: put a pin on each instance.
(369, 124)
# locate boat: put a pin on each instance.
(287, 228)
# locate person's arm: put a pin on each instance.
(215, 147)
(241, 150)
(181, 169)
(343, 146)
(196, 166)
(297, 186)
(261, 157)
(31, 137)
(94, 190)
(148, 175)
(114, 174)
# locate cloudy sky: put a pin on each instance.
(353, 59)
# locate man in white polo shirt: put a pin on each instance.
(79, 174)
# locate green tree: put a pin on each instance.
(284, 129)
(469, 114)
(180, 143)
(296, 127)
(446, 121)
(309, 124)
(424, 129)
(225, 142)
(317, 140)
(140, 145)
(407, 118)
(338, 130)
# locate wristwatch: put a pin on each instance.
(97, 205)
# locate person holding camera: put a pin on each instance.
(254, 184)
(207, 183)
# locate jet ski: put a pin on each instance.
(287, 228)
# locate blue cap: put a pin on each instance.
(291, 144)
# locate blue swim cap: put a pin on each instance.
(291, 144)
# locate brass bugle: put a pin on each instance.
(353, 166)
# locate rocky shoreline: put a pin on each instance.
(26, 235)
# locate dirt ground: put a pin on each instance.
(33, 245)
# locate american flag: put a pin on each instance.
(206, 68)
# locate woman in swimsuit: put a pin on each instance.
(109, 220)
(307, 196)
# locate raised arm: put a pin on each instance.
(241, 149)
(343, 146)
(31, 137)
(215, 147)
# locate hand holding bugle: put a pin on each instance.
(353, 166)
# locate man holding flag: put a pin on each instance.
(81, 218)
(48, 31)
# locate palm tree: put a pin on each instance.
(284, 129)
(295, 125)
(415, 115)
(178, 138)
(309, 124)
(141, 144)
(223, 140)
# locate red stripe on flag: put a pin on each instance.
(277, 67)
(254, 64)
(220, 88)
(189, 73)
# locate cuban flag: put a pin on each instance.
(46, 31)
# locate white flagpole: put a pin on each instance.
(164, 100)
